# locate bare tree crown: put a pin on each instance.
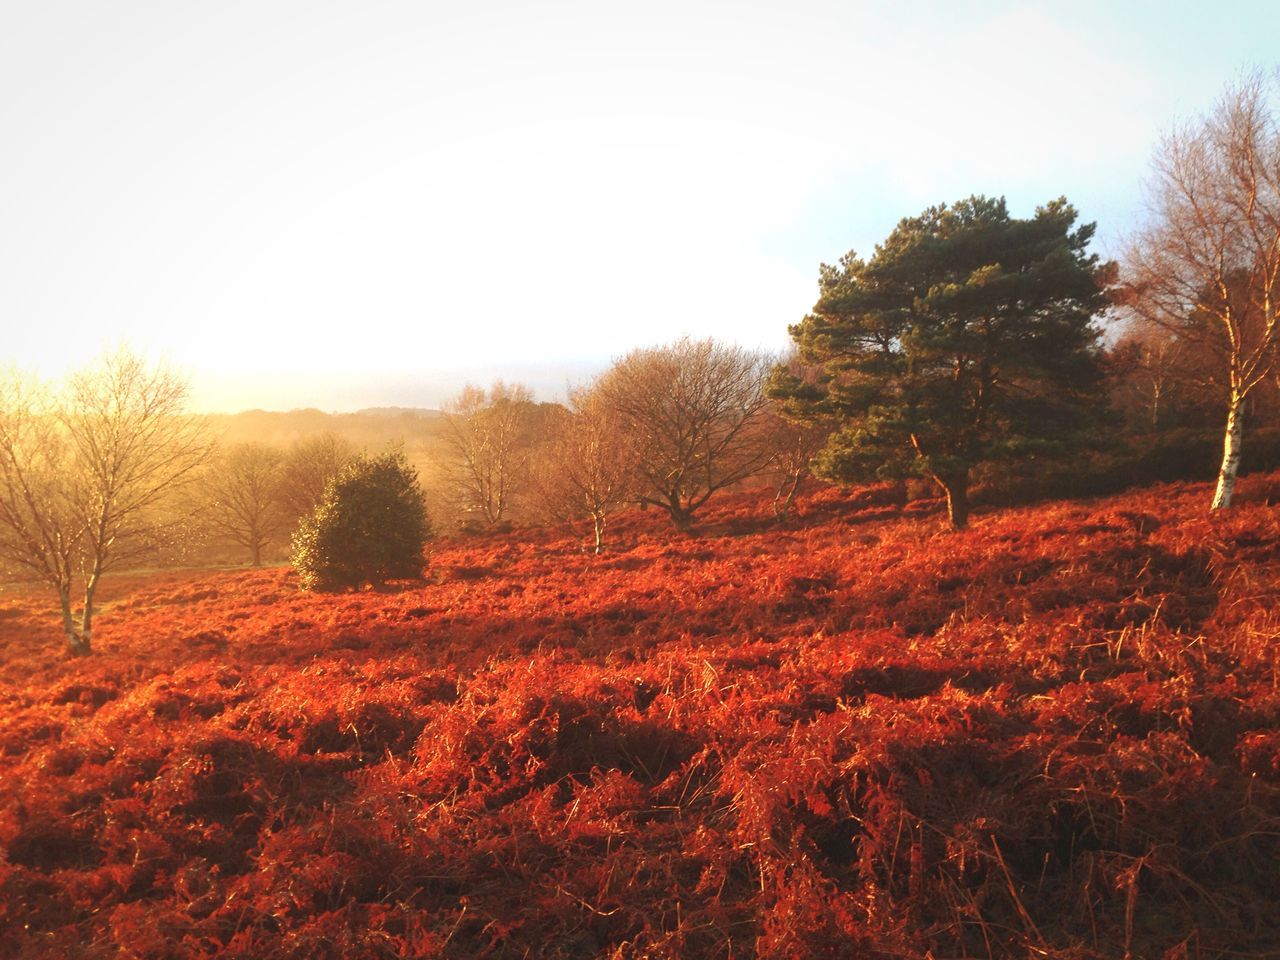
(1206, 266)
(84, 471)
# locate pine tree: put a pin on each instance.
(967, 339)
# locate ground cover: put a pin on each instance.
(1056, 733)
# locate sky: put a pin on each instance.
(342, 205)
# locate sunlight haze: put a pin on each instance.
(342, 205)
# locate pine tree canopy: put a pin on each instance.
(968, 338)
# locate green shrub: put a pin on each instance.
(370, 527)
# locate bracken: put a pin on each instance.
(857, 734)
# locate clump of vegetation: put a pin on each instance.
(370, 527)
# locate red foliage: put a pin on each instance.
(1056, 733)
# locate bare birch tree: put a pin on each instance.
(587, 469)
(1207, 264)
(1157, 378)
(487, 438)
(83, 473)
(796, 437)
(795, 445)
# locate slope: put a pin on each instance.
(1056, 733)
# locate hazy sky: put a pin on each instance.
(352, 204)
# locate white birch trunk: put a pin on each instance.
(1230, 455)
(598, 519)
(68, 619)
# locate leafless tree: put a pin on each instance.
(795, 436)
(692, 410)
(1156, 376)
(1207, 263)
(488, 435)
(308, 467)
(244, 492)
(587, 468)
(84, 471)
(794, 444)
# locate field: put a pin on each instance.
(856, 734)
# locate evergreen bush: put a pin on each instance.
(370, 527)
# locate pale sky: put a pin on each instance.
(368, 203)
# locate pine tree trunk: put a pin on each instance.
(957, 490)
(898, 495)
(1231, 443)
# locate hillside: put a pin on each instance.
(373, 428)
(1054, 734)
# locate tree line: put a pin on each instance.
(968, 348)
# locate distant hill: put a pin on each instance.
(411, 413)
(372, 428)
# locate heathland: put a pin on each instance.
(854, 732)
